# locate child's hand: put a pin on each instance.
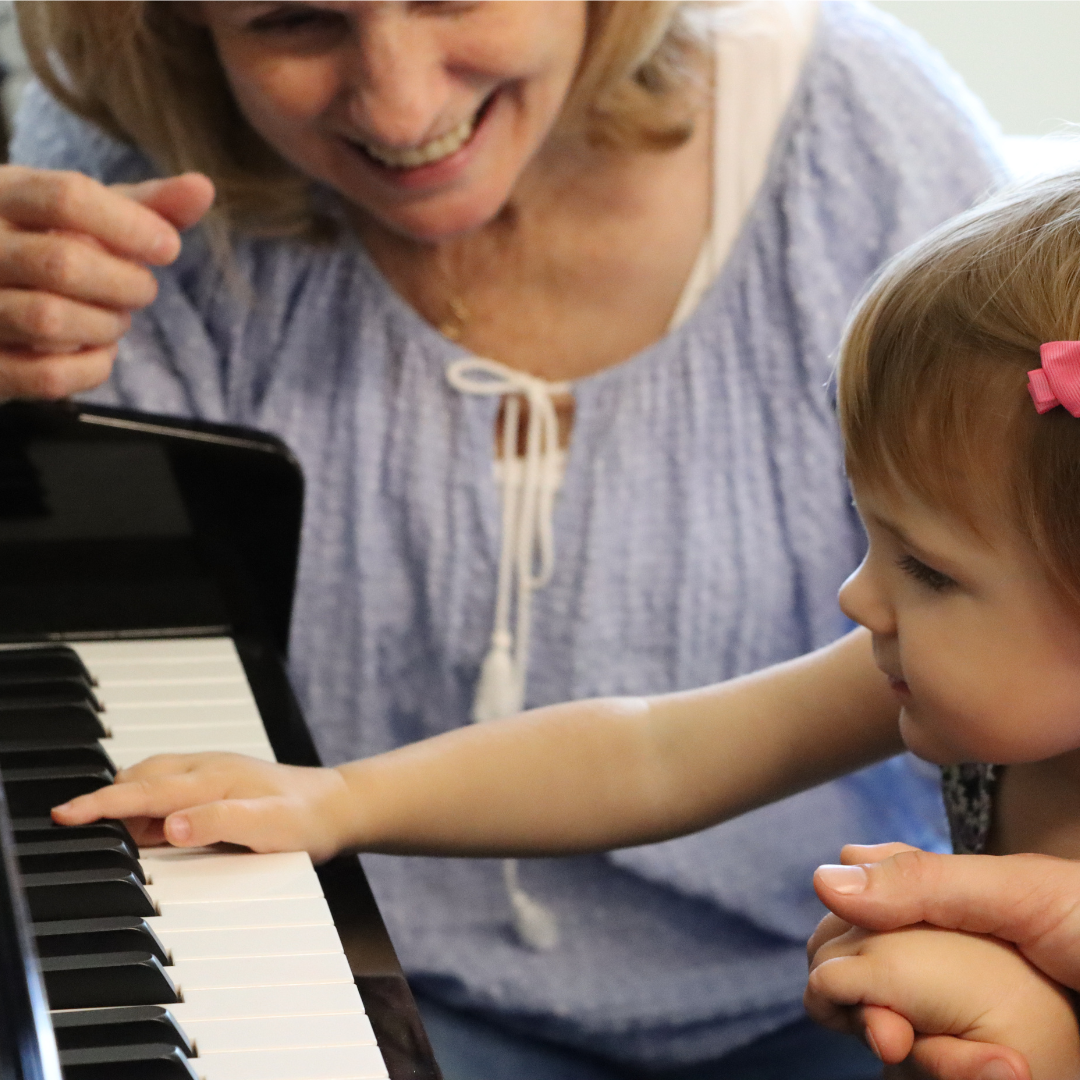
(942, 982)
(194, 799)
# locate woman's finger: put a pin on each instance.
(49, 378)
(872, 853)
(48, 323)
(69, 265)
(945, 1058)
(181, 200)
(44, 199)
(1030, 900)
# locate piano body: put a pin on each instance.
(146, 576)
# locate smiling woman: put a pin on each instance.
(612, 246)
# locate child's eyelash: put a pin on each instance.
(924, 574)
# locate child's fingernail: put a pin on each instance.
(997, 1070)
(177, 829)
(870, 1041)
(843, 879)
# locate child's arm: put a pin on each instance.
(583, 776)
(943, 982)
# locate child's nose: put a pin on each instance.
(862, 601)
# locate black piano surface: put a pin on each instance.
(116, 524)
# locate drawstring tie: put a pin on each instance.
(526, 561)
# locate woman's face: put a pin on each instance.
(424, 115)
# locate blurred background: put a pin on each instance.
(1018, 56)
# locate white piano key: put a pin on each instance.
(204, 878)
(260, 971)
(328, 1063)
(261, 941)
(254, 1002)
(167, 671)
(243, 914)
(182, 714)
(206, 738)
(224, 692)
(127, 756)
(106, 652)
(281, 1032)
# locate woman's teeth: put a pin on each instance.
(435, 150)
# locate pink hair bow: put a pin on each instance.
(1057, 382)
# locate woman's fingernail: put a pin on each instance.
(177, 829)
(62, 807)
(872, 1043)
(843, 879)
(997, 1070)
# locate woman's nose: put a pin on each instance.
(395, 80)
(862, 601)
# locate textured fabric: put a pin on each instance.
(968, 791)
(702, 531)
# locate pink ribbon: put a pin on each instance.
(1057, 382)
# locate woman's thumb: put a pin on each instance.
(180, 200)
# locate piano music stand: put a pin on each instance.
(172, 528)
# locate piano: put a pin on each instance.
(147, 568)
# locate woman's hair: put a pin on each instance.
(149, 76)
(932, 381)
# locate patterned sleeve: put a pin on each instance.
(968, 791)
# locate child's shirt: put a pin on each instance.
(968, 791)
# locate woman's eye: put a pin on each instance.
(296, 17)
(925, 575)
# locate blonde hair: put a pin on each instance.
(148, 76)
(932, 381)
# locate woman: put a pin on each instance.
(654, 220)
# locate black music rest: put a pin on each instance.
(118, 524)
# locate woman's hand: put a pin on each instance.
(74, 265)
(191, 800)
(1029, 900)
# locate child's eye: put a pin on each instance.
(925, 575)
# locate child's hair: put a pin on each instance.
(932, 383)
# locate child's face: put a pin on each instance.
(980, 649)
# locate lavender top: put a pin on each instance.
(702, 531)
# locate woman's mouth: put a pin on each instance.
(433, 151)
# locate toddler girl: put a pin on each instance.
(959, 388)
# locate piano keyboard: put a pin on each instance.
(220, 965)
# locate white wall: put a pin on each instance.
(1022, 57)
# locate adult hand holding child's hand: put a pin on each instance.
(191, 800)
(1029, 900)
(75, 260)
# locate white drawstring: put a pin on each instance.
(526, 560)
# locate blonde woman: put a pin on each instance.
(543, 296)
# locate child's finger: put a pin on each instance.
(843, 980)
(887, 1033)
(830, 927)
(155, 798)
(948, 1058)
(271, 823)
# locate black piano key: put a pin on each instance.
(59, 724)
(29, 830)
(51, 661)
(77, 853)
(14, 681)
(36, 753)
(101, 980)
(32, 792)
(48, 692)
(80, 937)
(139, 1062)
(86, 894)
(119, 1027)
